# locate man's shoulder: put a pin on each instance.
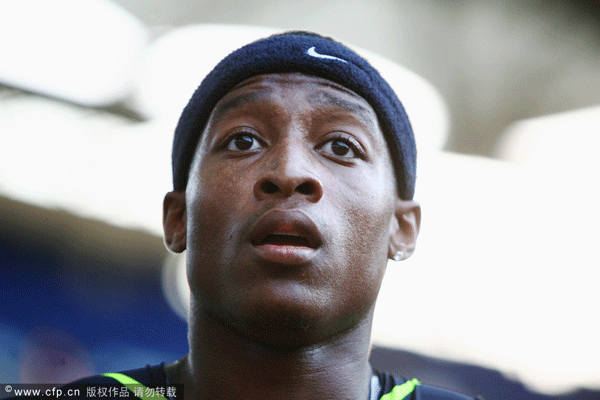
(108, 385)
(150, 375)
(426, 392)
(395, 388)
(138, 381)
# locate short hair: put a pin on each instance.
(311, 54)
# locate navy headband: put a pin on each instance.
(310, 54)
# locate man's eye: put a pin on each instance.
(243, 142)
(339, 148)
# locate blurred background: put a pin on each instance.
(502, 295)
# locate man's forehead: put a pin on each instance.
(319, 91)
(291, 78)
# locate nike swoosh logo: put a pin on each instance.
(313, 53)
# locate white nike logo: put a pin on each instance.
(313, 53)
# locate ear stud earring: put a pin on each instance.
(399, 256)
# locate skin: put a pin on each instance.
(283, 308)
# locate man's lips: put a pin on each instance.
(285, 228)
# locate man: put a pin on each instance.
(294, 173)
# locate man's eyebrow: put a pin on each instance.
(326, 98)
(236, 100)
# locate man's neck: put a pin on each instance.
(223, 364)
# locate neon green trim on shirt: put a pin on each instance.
(131, 384)
(400, 392)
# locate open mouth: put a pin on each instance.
(285, 228)
(285, 240)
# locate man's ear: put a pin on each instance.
(404, 229)
(175, 221)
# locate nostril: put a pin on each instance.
(305, 188)
(269, 187)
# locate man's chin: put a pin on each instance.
(283, 330)
(282, 325)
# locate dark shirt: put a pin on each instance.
(152, 381)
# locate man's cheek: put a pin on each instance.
(367, 226)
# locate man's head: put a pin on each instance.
(291, 205)
(310, 54)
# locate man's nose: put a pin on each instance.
(289, 172)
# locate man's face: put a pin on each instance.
(290, 203)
